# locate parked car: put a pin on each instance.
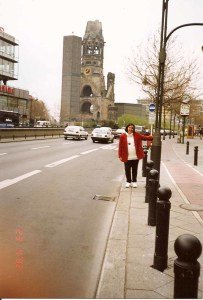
(140, 129)
(75, 132)
(115, 133)
(119, 131)
(102, 135)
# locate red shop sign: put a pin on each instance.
(6, 89)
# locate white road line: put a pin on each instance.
(67, 143)
(40, 147)
(62, 161)
(3, 153)
(89, 151)
(188, 164)
(9, 182)
(108, 147)
(185, 199)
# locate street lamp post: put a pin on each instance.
(156, 146)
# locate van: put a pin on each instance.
(42, 124)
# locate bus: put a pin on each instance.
(42, 124)
(9, 119)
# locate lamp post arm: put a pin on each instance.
(181, 26)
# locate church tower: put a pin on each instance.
(84, 93)
(94, 103)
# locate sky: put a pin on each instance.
(40, 25)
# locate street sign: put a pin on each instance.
(152, 118)
(185, 109)
(152, 107)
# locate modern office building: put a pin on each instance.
(14, 102)
(71, 77)
(85, 94)
(136, 109)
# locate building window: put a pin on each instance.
(86, 107)
(87, 91)
(3, 102)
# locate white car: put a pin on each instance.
(119, 131)
(75, 132)
(102, 135)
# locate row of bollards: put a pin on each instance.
(187, 247)
(186, 267)
(195, 152)
(149, 167)
(163, 206)
(152, 190)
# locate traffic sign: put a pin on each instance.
(152, 117)
(152, 107)
(185, 109)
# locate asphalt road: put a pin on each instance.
(53, 232)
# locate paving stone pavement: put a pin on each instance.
(127, 269)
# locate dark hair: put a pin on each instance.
(126, 129)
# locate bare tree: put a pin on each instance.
(181, 75)
(39, 110)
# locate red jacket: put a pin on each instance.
(123, 146)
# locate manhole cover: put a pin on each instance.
(195, 207)
(104, 198)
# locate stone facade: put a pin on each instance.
(92, 98)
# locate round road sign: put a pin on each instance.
(151, 107)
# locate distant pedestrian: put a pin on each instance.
(201, 133)
(130, 152)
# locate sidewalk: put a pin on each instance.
(127, 271)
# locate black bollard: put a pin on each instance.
(153, 188)
(162, 229)
(149, 167)
(186, 267)
(144, 163)
(195, 155)
(187, 147)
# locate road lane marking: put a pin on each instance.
(62, 161)
(3, 153)
(67, 143)
(9, 182)
(110, 147)
(89, 151)
(40, 147)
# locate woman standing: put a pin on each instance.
(130, 151)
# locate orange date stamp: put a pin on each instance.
(19, 238)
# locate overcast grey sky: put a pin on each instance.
(39, 26)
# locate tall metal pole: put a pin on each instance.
(156, 146)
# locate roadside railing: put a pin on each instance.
(7, 134)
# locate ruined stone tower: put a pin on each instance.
(96, 101)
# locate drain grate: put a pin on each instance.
(195, 207)
(104, 198)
